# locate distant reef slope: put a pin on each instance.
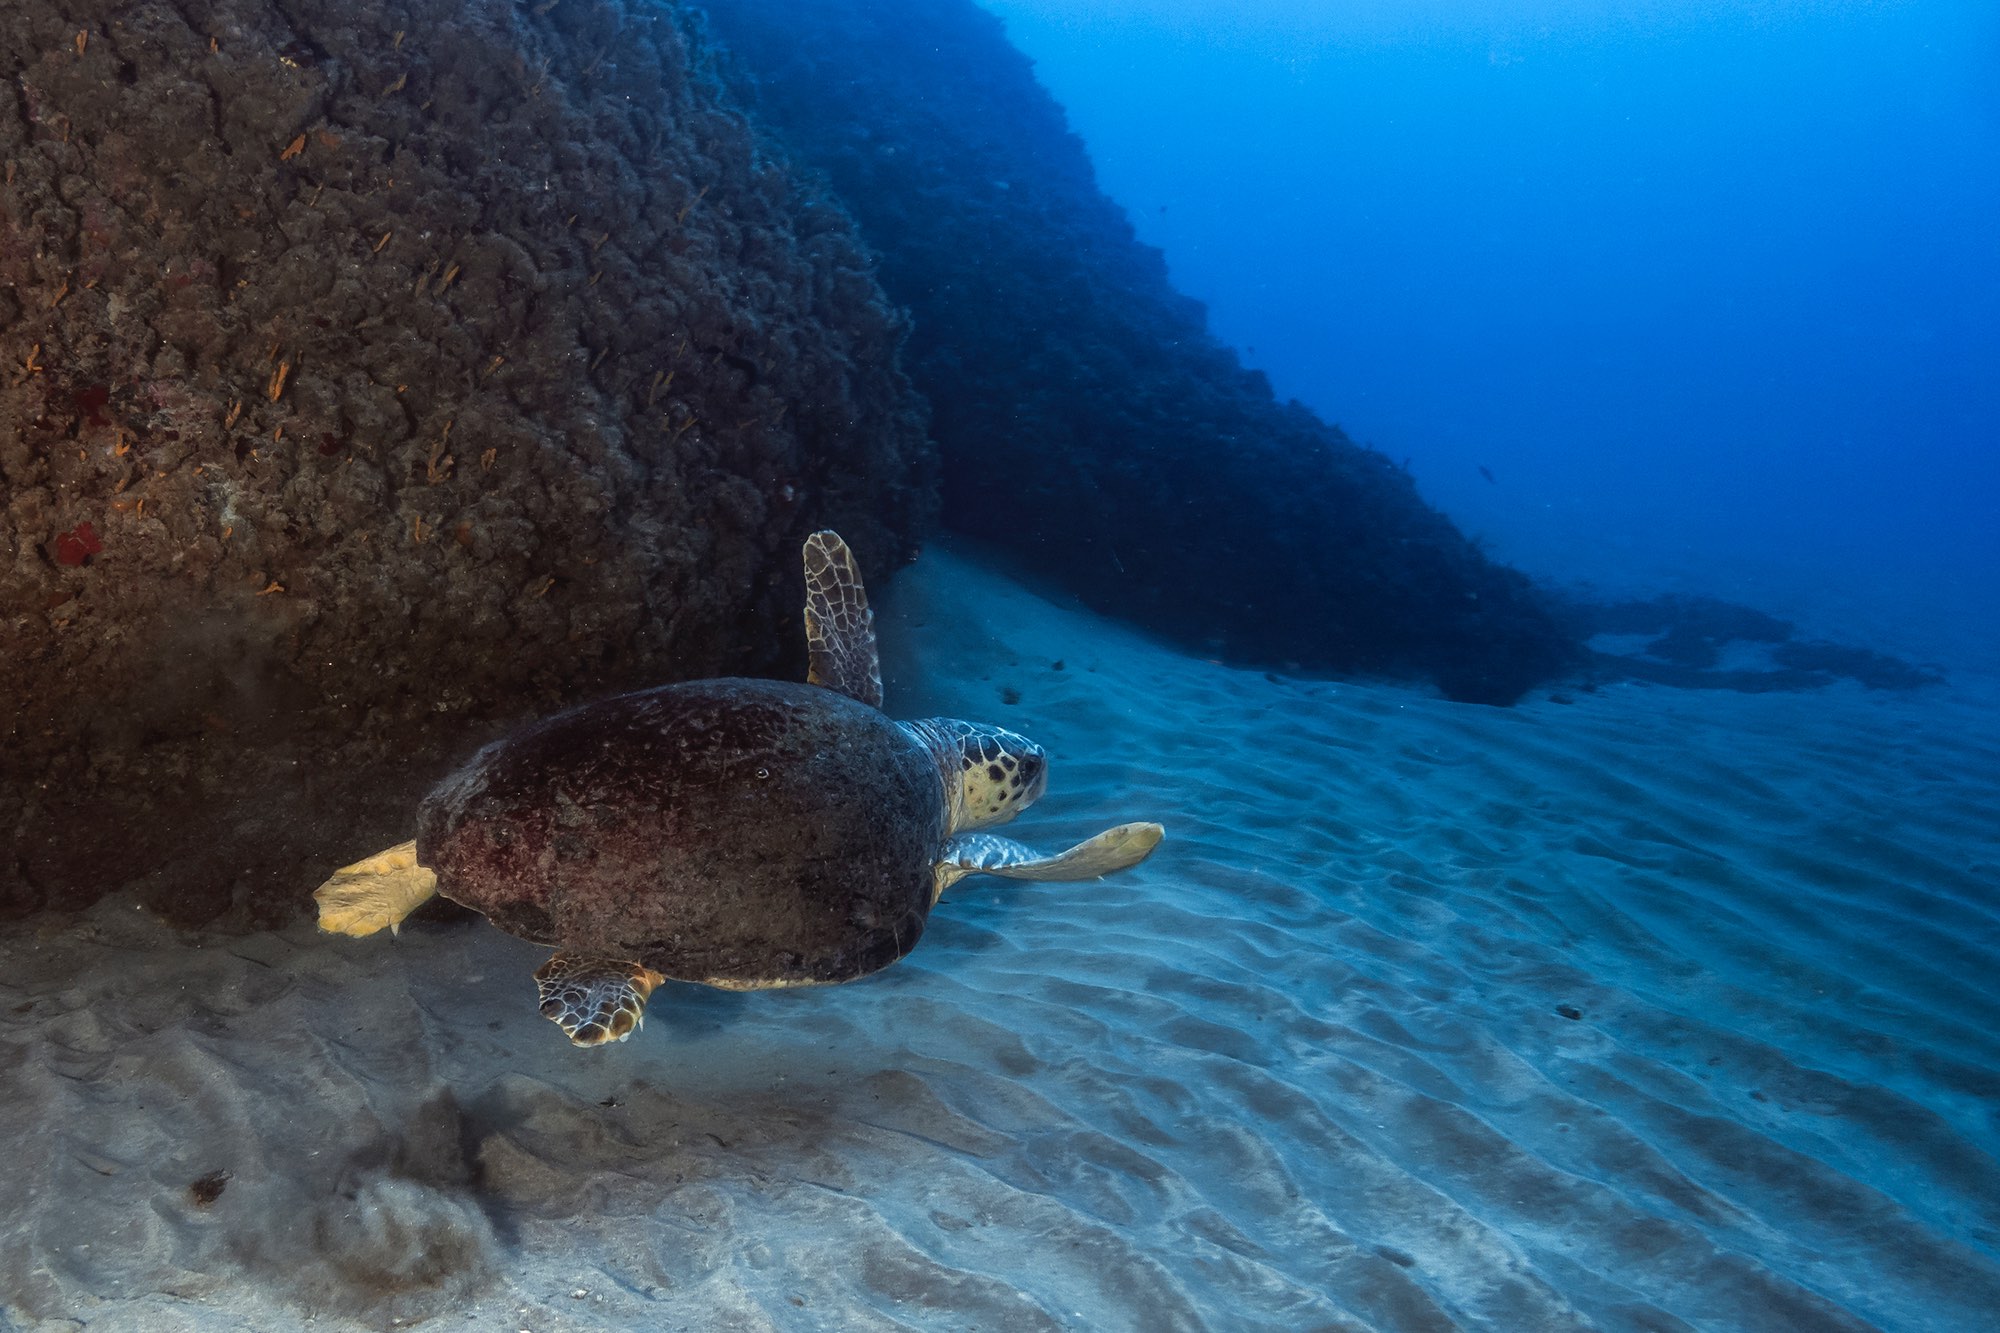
(374, 373)
(1087, 420)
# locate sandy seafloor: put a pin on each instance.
(1650, 1010)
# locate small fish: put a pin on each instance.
(1484, 472)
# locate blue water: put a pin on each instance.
(1710, 290)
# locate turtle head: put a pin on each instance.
(990, 774)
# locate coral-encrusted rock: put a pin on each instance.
(371, 373)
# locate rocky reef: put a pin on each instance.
(1088, 422)
(371, 375)
(1706, 643)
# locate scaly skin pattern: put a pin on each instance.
(990, 774)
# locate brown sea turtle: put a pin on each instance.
(737, 833)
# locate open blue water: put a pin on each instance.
(1710, 288)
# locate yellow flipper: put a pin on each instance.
(362, 898)
(595, 1000)
(988, 854)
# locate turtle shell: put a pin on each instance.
(736, 832)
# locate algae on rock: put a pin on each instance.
(376, 374)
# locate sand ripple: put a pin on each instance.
(1651, 1011)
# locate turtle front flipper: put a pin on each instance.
(595, 1000)
(362, 898)
(987, 854)
(840, 629)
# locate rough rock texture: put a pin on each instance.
(370, 374)
(1088, 421)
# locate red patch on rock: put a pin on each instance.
(91, 400)
(76, 546)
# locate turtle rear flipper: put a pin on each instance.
(362, 898)
(595, 1000)
(840, 629)
(986, 854)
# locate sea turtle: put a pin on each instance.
(738, 833)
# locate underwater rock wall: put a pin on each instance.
(1088, 421)
(369, 373)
